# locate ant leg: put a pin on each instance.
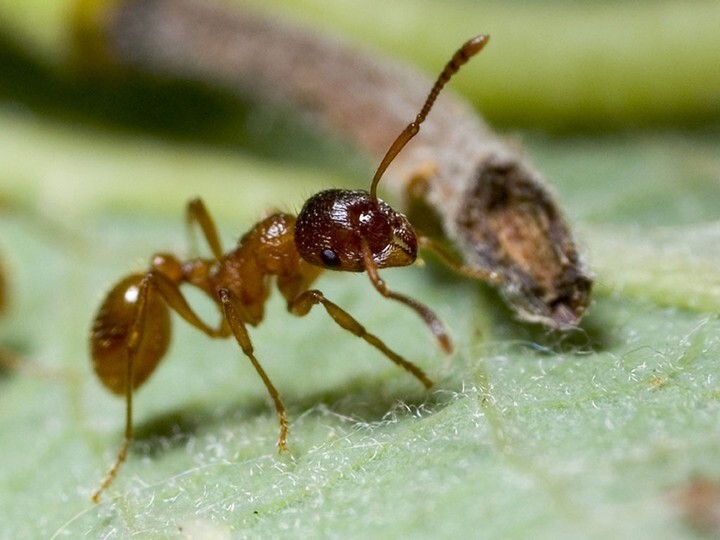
(3, 290)
(9, 360)
(431, 320)
(304, 302)
(453, 263)
(197, 213)
(133, 341)
(237, 325)
(12, 362)
(122, 453)
(153, 287)
(176, 301)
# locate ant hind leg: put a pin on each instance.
(142, 328)
(133, 342)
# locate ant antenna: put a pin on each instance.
(460, 58)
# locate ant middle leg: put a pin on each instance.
(303, 303)
(229, 304)
(197, 213)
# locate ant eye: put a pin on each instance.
(329, 258)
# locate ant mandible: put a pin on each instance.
(352, 231)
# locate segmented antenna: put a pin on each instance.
(460, 58)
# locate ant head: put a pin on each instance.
(333, 225)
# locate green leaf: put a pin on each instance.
(525, 434)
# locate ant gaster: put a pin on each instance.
(344, 230)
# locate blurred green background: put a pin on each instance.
(527, 434)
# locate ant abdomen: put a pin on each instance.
(334, 225)
(110, 332)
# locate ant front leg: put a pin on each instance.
(432, 321)
(454, 264)
(304, 302)
(230, 308)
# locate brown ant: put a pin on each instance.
(352, 231)
(6, 359)
(3, 289)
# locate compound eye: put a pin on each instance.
(329, 258)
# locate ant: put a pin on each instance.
(3, 289)
(6, 359)
(352, 231)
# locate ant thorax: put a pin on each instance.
(335, 228)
